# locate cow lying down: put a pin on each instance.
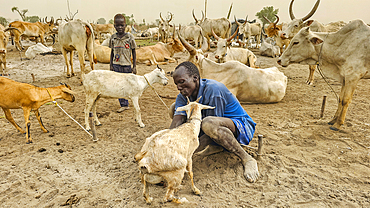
(168, 154)
(110, 84)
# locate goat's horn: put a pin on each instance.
(188, 99)
(198, 99)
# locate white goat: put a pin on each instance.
(110, 84)
(168, 153)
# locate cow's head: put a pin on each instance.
(49, 26)
(198, 22)
(273, 28)
(297, 24)
(301, 49)
(243, 27)
(222, 44)
(3, 42)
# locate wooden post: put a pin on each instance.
(323, 106)
(260, 144)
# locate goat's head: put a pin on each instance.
(160, 76)
(194, 108)
(67, 93)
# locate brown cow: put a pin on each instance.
(28, 29)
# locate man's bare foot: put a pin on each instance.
(251, 170)
(209, 150)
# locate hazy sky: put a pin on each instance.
(91, 10)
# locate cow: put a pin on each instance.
(248, 30)
(100, 29)
(3, 43)
(268, 49)
(28, 29)
(274, 30)
(151, 32)
(225, 53)
(160, 52)
(164, 28)
(192, 32)
(77, 35)
(220, 26)
(344, 56)
(246, 83)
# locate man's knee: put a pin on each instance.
(209, 125)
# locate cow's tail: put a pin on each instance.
(90, 45)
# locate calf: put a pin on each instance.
(168, 153)
(110, 84)
(15, 95)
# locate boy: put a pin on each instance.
(123, 46)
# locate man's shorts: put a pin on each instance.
(245, 130)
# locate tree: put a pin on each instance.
(4, 21)
(269, 12)
(101, 21)
(32, 18)
(21, 13)
(129, 19)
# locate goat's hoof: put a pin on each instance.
(333, 128)
(29, 142)
(142, 125)
(69, 76)
(149, 200)
(98, 124)
(197, 191)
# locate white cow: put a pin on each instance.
(225, 53)
(77, 35)
(344, 56)
(165, 28)
(246, 83)
(249, 30)
(192, 32)
(270, 50)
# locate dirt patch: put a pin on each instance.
(304, 164)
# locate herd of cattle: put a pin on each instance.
(340, 50)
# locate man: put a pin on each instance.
(223, 127)
(123, 46)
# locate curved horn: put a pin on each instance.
(292, 17)
(246, 19)
(174, 31)
(230, 38)
(185, 43)
(171, 17)
(160, 15)
(196, 21)
(236, 21)
(312, 11)
(46, 19)
(267, 19)
(277, 17)
(198, 99)
(203, 17)
(214, 34)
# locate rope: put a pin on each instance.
(320, 71)
(156, 92)
(55, 102)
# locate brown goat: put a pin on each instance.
(15, 95)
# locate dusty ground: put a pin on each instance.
(304, 164)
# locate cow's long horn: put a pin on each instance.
(214, 34)
(312, 11)
(160, 15)
(46, 19)
(236, 21)
(174, 31)
(52, 20)
(230, 38)
(267, 19)
(203, 17)
(246, 19)
(196, 21)
(171, 17)
(185, 43)
(277, 17)
(292, 17)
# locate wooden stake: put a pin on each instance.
(323, 106)
(260, 144)
(33, 77)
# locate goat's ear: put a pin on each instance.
(206, 107)
(198, 99)
(66, 90)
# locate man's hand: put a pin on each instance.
(134, 70)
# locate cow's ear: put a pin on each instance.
(309, 22)
(316, 40)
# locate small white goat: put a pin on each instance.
(110, 84)
(167, 153)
